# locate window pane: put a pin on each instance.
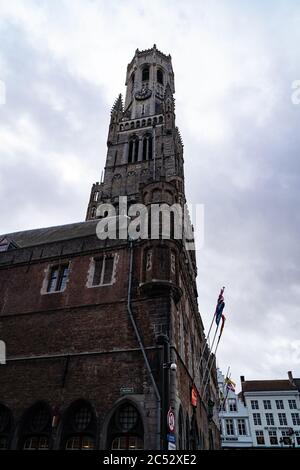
(108, 269)
(64, 272)
(97, 272)
(53, 279)
(128, 417)
(82, 418)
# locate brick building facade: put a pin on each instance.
(92, 326)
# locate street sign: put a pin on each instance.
(171, 438)
(171, 420)
(171, 446)
(126, 390)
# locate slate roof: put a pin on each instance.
(41, 236)
(267, 385)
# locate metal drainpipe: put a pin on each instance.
(142, 346)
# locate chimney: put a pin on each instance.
(290, 376)
(242, 378)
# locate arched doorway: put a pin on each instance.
(125, 430)
(79, 427)
(36, 428)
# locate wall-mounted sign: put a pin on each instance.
(126, 390)
(194, 396)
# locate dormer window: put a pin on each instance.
(160, 76)
(145, 74)
(6, 244)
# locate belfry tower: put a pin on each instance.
(144, 145)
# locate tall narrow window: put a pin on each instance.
(96, 194)
(103, 270)
(147, 147)
(133, 151)
(97, 271)
(160, 77)
(58, 278)
(130, 151)
(93, 212)
(229, 427)
(145, 74)
(108, 269)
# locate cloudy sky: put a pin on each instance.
(63, 62)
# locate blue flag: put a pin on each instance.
(220, 307)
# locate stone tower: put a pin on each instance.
(144, 145)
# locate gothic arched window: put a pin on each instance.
(147, 147)
(79, 427)
(145, 74)
(126, 431)
(36, 428)
(160, 76)
(93, 212)
(5, 427)
(133, 151)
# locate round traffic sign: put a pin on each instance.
(171, 420)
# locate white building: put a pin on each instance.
(274, 411)
(234, 419)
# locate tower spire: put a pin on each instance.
(118, 105)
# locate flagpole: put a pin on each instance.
(227, 392)
(212, 363)
(207, 338)
(224, 400)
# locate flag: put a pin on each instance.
(230, 385)
(220, 306)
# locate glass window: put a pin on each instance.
(254, 404)
(82, 418)
(36, 443)
(229, 427)
(282, 419)
(127, 443)
(232, 404)
(279, 404)
(285, 439)
(108, 269)
(273, 438)
(260, 437)
(297, 434)
(145, 74)
(242, 427)
(127, 417)
(257, 419)
(80, 443)
(296, 419)
(292, 404)
(58, 278)
(103, 270)
(267, 404)
(270, 419)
